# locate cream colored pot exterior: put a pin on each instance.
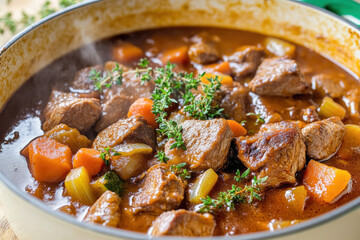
(70, 30)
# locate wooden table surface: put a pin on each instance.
(5, 231)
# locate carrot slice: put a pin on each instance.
(126, 52)
(222, 67)
(324, 182)
(237, 129)
(224, 79)
(143, 107)
(90, 159)
(49, 160)
(176, 55)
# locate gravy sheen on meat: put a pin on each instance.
(169, 151)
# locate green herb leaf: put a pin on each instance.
(181, 171)
(161, 157)
(235, 195)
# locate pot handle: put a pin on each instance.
(348, 9)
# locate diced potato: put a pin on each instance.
(77, 184)
(351, 142)
(133, 148)
(109, 181)
(279, 47)
(324, 182)
(329, 108)
(68, 136)
(127, 166)
(224, 79)
(202, 186)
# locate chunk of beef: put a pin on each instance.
(309, 114)
(204, 50)
(117, 100)
(131, 130)
(183, 223)
(234, 101)
(278, 77)
(160, 191)
(72, 110)
(352, 102)
(105, 211)
(246, 60)
(323, 138)
(263, 109)
(114, 109)
(207, 144)
(325, 84)
(82, 81)
(276, 151)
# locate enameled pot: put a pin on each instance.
(60, 33)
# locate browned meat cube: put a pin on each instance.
(310, 114)
(276, 151)
(131, 130)
(204, 50)
(117, 100)
(246, 60)
(278, 77)
(82, 79)
(183, 223)
(323, 138)
(325, 84)
(207, 144)
(160, 191)
(105, 211)
(234, 101)
(114, 109)
(72, 110)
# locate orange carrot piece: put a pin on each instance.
(143, 107)
(237, 129)
(49, 160)
(126, 52)
(222, 67)
(90, 159)
(177, 55)
(296, 198)
(324, 182)
(224, 79)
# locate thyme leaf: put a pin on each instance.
(181, 171)
(227, 200)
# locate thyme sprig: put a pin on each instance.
(181, 171)
(170, 88)
(259, 118)
(227, 200)
(203, 107)
(107, 153)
